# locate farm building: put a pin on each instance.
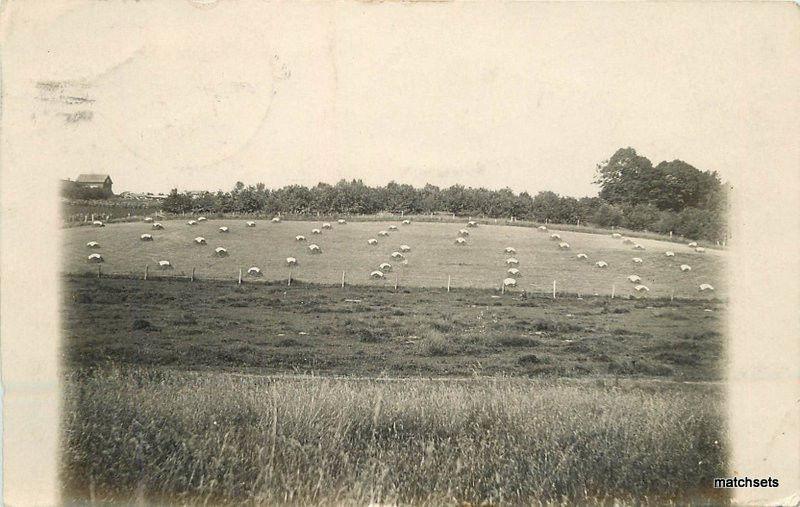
(95, 181)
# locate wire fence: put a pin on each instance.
(438, 264)
(542, 286)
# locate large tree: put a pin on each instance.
(177, 203)
(625, 178)
(682, 186)
(546, 206)
(630, 179)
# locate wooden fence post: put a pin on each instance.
(290, 278)
(554, 289)
(613, 288)
(502, 287)
(343, 279)
(146, 267)
(99, 270)
(240, 276)
(396, 280)
(192, 279)
(448, 283)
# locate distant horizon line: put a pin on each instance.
(268, 187)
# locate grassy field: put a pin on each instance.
(362, 331)
(193, 438)
(262, 393)
(433, 256)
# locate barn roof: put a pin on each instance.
(92, 178)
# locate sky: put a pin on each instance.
(531, 96)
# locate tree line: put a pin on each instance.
(84, 193)
(669, 197)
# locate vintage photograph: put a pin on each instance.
(395, 344)
(391, 254)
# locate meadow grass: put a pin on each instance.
(157, 436)
(433, 257)
(369, 331)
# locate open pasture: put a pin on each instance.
(433, 257)
(369, 331)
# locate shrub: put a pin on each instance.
(679, 358)
(82, 297)
(698, 223)
(371, 335)
(641, 217)
(528, 359)
(364, 331)
(555, 326)
(186, 319)
(433, 343)
(518, 341)
(608, 215)
(142, 325)
(641, 367)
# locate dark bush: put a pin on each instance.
(518, 341)
(142, 325)
(555, 327)
(528, 359)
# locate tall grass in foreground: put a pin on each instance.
(225, 438)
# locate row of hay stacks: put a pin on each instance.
(513, 272)
(398, 255)
(219, 251)
(541, 257)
